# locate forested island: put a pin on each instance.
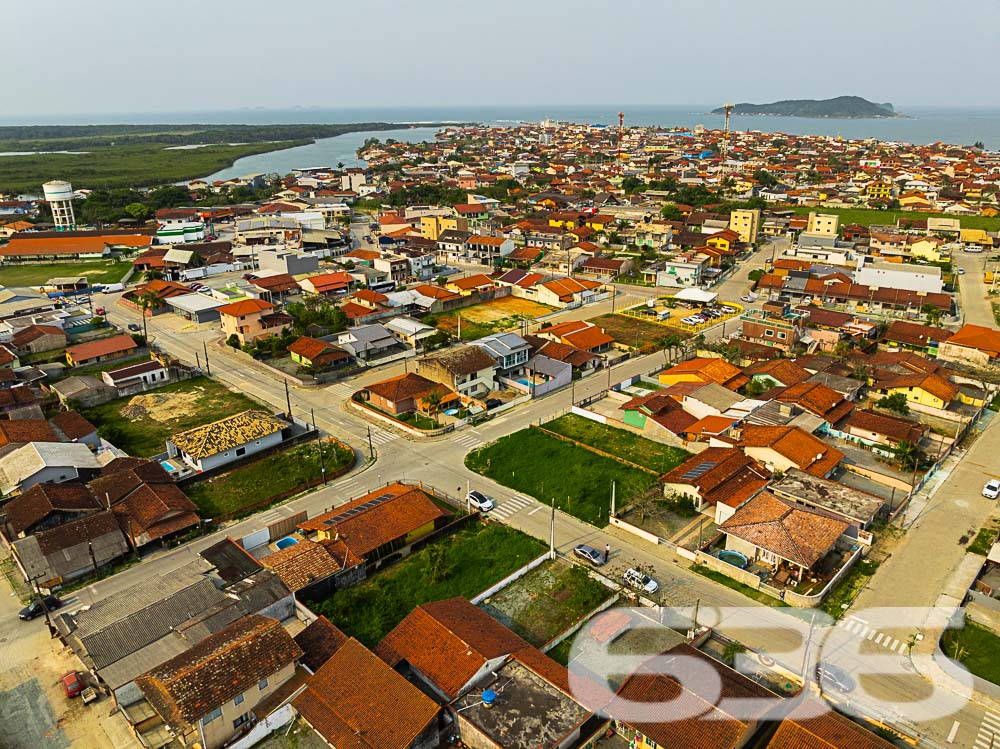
(843, 107)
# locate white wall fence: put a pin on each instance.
(276, 720)
(517, 574)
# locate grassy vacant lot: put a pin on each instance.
(157, 414)
(547, 468)
(631, 447)
(36, 274)
(268, 477)
(868, 216)
(134, 165)
(547, 601)
(983, 541)
(463, 564)
(632, 331)
(849, 587)
(975, 647)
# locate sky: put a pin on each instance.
(65, 57)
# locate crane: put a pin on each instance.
(724, 146)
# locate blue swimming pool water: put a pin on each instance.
(524, 381)
(284, 543)
(167, 467)
(734, 558)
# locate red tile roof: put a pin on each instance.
(26, 430)
(29, 245)
(356, 701)
(245, 307)
(809, 453)
(103, 347)
(319, 641)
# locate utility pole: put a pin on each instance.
(197, 359)
(612, 501)
(288, 400)
(371, 447)
(552, 530)
(319, 445)
(208, 367)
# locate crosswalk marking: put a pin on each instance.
(382, 438)
(858, 628)
(468, 439)
(989, 731)
(508, 507)
(878, 640)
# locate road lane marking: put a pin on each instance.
(878, 640)
(540, 507)
(954, 730)
(871, 634)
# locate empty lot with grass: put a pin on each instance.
(631, 447)
(141, 424)
(36, 274)
(549, 469)
(463, 564)
(547, 601)
(263, 479)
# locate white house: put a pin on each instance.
(224, 441)
(45, 462)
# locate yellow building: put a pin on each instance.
(431, 227)
(823, 223)
(927, 248)
(929, 390)
(976, 236)
(878, 191)
(746, 223)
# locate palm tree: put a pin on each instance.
(907, 453)
(147, 301)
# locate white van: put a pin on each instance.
(111, 288)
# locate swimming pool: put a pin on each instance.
(524, 381)
(734, 558)
(284, 543)
(168, 466)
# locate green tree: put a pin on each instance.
(671, 212)
(755, 387)
(932, 313)
(438, 567)
(907, 454)
(138, 211)
(233, 340)
(895, 402)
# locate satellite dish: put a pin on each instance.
(650, 303)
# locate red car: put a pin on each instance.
(72, 684)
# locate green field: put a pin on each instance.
(36, 274)
(463, 564)
(631, 447)
(136, 165)
(634, 331)
(262, 479)
(975, 647)
(546, 468)
(868, 216)
(171, 409)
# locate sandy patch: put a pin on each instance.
(498, 309)
(162, 406)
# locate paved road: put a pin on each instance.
(974, 299)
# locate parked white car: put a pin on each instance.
(640, 581)
(480, 501)
(992, 489)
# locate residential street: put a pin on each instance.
(931, 548)
(975, 301)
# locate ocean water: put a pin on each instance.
(922, 125)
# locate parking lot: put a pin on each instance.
(689, 317)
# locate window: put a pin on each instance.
(241, 451)
(238, 700)
(243, 719)
(769, 334)
(781, 336)
(216, 713)
(262, 684)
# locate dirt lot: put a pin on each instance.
(494, 316)
(632, 331)
(546, 601)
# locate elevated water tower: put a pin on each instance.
(59, 196)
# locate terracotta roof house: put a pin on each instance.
(102, 350)
(722, 478)
(470, 284)
(468, 370)
(304, 564)
(382, 522)
(319, 640)
(657, 410)
(328, 284)
(688, 714)
(577, 358)
(71, 426)
(913, 336)
(404, 393)
(562, 292)
(783, 447)
(74, 549)
(20, 431)
(36, 339)
(158, 290)
(975, 344)
(931, 390)
(213, 445)
(813, 725)
(777, 373)
(41, 246)
(579, 333)
(207, 694)
(704, 370)
(772, 531)
(312, 352)
(878, 429)
(250, 319)
(818, 399)
(356, 701)
(45, 506)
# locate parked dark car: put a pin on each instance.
(134, 327)
(35, 608)
(493, 403)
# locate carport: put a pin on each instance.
(195, 307)
(696, 297)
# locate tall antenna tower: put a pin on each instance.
(621, 136)
(59, 196)
(724, 147)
